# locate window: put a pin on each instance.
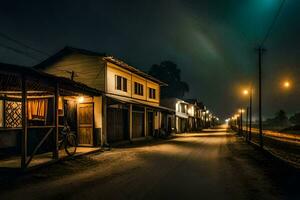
(124, 84)
(138, 89)
(152, 93)
(37, 109)
(12, 114)
(121, 83)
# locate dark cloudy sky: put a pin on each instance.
(212, 41)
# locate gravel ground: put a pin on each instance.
(191, 166)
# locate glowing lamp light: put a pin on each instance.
(80, 99)
(245, 92)
(241, 110)
(286, 84)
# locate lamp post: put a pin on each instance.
(241, 111)
(250, 93)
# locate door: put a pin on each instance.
(137, 124)
(150, 127)
(85, 124)
(117, 123)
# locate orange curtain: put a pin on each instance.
(37, 109)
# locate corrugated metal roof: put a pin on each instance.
(21, 70)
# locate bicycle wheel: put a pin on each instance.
(71, 144)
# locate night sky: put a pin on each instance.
(213, 41)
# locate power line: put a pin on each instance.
(19, 52)
(273, 23)
(22, 44)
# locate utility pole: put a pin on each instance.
(260, 52)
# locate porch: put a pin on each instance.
(34, 107)
(45, 158)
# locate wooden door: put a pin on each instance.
(137, 124)
(117, 123)
(150, 126)
(85, 124)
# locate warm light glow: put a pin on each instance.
(286, 84)
(80, 99)
(241, 110)
(245, 92)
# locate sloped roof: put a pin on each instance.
(67, 50)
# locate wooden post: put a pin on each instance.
(104, 121)
(130, 122)
(24, 123)
(56, 121)
(145, 122)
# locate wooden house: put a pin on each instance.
(33, 108)
(129, 107)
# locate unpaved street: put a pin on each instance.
(213, 165)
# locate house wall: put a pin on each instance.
(155, 86)
(113, 70)
(98, 119)
(140, 81)
(88, 69)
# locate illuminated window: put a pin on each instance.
(121, 83)
(13, 114)
(138, 89)
(152, 93)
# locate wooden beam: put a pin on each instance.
(104, 121)
(38, 146)
(130, 122)
(24, 124)
(145, 121)
(56, 121)
(11, 99)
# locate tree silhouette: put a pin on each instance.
(280, 119)
(295, 119)
(168, 72)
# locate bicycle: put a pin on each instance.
(68, 140)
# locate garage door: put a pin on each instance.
(137, 124)
(117, 124)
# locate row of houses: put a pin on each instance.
(102, 99)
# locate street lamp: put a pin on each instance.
(241, 111)
(247, 93)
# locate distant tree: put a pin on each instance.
(280, 119)
(168, 72)
(295, 119)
